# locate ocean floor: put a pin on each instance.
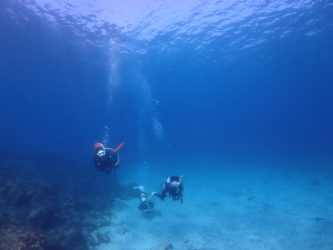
(226, 206)
(244, 207)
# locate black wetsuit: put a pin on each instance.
(146, 204)
(175, 192)
(106, 162)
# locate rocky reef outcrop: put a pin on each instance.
(55, 206)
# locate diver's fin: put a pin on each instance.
(118, 147)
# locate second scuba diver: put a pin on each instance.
(173, 187)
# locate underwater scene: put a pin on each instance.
(166, 125)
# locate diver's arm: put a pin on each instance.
(116, 155)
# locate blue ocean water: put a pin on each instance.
(235, 95)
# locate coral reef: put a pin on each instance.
(13, 237)
(55, 209)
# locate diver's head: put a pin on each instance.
(100, 149)
(99, 146)
(174, 184)
(175, 181)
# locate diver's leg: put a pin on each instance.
(161, 195)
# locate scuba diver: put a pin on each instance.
(106, 159)
(146, 205)
(173, 187)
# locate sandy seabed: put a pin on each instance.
(243, 207)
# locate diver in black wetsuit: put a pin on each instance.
(105, 159)
(146, 204)
(173, 187)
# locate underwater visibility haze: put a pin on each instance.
(234, 96)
